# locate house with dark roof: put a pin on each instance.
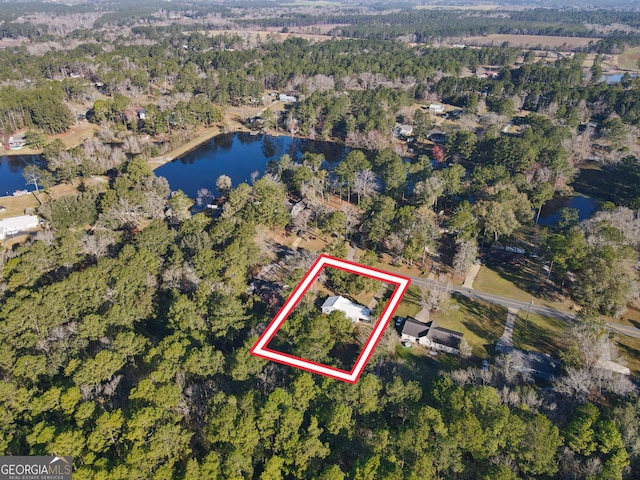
(541, 365)
(432, 336)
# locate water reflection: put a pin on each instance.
(550, 214)
(11, 168)
(238, 155)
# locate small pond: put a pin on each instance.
(615, 77)
(550, 214)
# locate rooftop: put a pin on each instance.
(444, 336)
(414, 328)
(541, 364)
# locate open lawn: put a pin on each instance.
(409, 306)
(16, 205)
(631, 318)
(482, 323)
(384, 262)
(519, 285)
(71, 138)
(540, 334)
(629, 350)
(628, 60)
(481, 6)
(532, 41)
(254, 37)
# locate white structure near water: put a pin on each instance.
(13, 225)
(353, 311)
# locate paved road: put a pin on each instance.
(517, 304)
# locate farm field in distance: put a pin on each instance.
(531, 41)
(628, 60)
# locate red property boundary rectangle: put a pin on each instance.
(260, 348)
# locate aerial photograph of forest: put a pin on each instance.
(172, 171)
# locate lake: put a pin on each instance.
(550, 214)
(11, 168)
(238, 155)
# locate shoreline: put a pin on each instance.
(230, 124)
(204, 136)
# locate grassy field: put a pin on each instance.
(631, 318)
(409, 305)
(532, 41)
(628, 60)
(519, 285)
(71, 138)
(16, 205)
(629, 350)
(251, 36)
(481, 6)
(601, 184)
(538, 333)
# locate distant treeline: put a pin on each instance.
(427, 25)
(21, 30)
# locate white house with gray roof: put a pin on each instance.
(353, 311)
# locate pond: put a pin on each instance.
(615, 77)
(550, 214)
(238, 155)
(11, 178)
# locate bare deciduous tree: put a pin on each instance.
(204, 197)
(223, 184)
(96, 245)
(365, 183)
(466, 254)
(465, 348)
(433, 299)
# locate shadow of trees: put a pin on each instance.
(485, 320)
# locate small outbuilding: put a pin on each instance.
(287, 98)
(298, 208)
(436, 108)
(402, 130)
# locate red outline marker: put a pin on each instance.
(260, 348)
